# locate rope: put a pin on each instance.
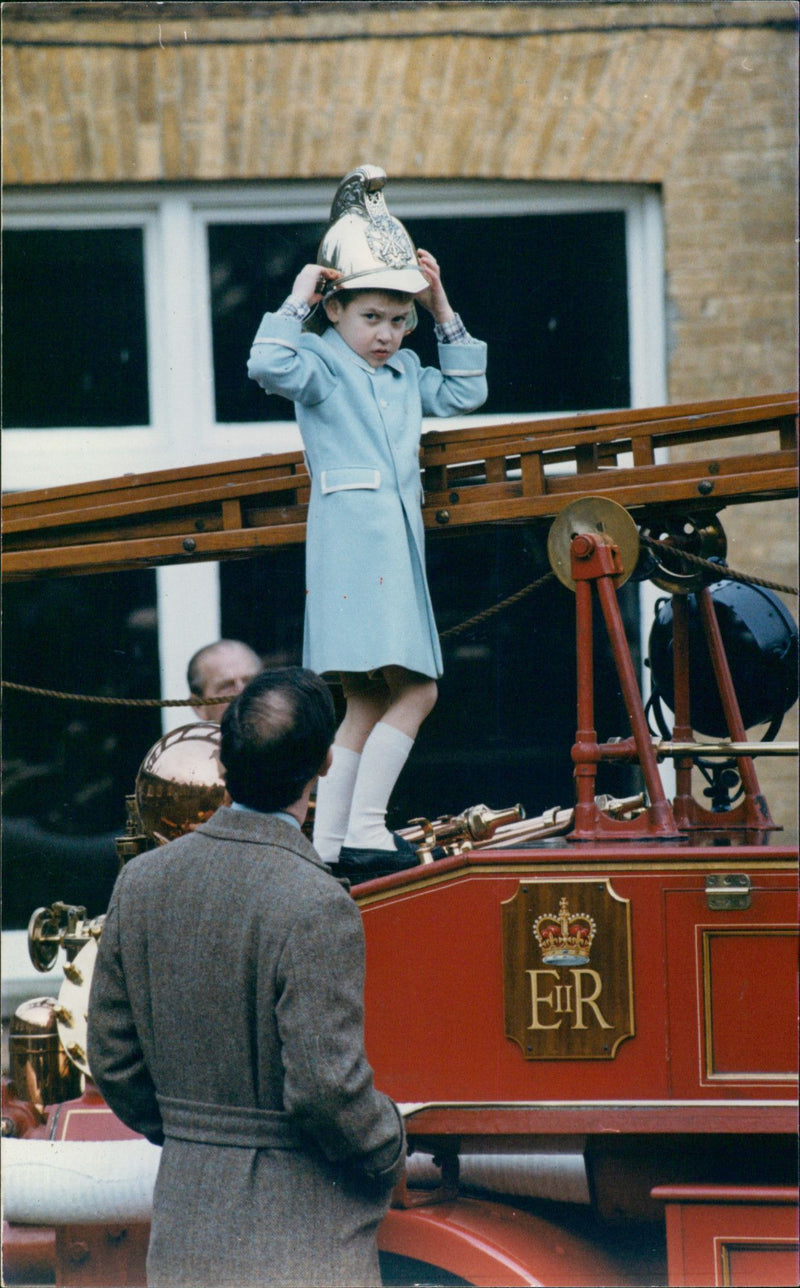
(496, 608)
(198, 702)
(720, 572)
(112, 702)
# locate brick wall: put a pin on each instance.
(699, 99)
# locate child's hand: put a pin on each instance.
(310, 280)
(434, 299)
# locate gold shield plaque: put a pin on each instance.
(567, 970)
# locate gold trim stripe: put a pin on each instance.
(576, 869)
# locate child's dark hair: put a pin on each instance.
(349, 293)
(318, 322)
(275, 737)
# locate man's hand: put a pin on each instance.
(434, 298)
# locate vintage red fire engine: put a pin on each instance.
(594, 1039)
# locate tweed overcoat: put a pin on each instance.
(226, 1022)
(367, 599)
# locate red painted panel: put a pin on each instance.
(753, 1000)
(761, 1265)
(732, 979)
(747, 1238)
(87, 1118)
(434, 998)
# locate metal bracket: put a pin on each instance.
(728, 893)
(404, 1196)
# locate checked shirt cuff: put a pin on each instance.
(294, 307)
(453, 332)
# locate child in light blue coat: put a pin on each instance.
(359, 401)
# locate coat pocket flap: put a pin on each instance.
(348, 478)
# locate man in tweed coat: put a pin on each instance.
(226, 1022)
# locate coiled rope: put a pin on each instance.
(719, 572)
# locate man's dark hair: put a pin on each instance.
(275, 737)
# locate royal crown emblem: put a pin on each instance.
(565, 938)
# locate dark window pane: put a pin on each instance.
(68, 766)
(74, 329)
(276, 583)
(547, 292)
(252, 268)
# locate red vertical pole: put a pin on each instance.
(584, 751)
(756, 809)
(682, 731)
(593, 561)
(659, 809)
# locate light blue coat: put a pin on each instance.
(367, 600)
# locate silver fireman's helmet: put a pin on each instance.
(363, 242)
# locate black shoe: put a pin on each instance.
(365, 865)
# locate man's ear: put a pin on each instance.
(327, 762)
(333, 308)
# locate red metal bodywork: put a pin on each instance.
(490, 1243)
(78, 1256)
(743, 1236)
(691, 1113)
(435, 1026)
(712, 1062)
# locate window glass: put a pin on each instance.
(252, 268)
(74, 328)
(68, 766)
(547, 292)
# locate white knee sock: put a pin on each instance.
(385, 752)
(332, 809)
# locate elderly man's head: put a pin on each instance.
(221, 670)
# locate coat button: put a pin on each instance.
(384, 403)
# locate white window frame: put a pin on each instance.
(177, 293)
(34, 458)
(183, 427)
